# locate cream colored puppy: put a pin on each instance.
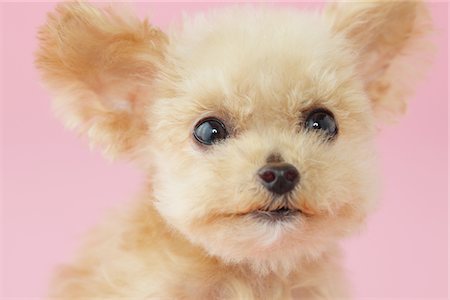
(255, 127)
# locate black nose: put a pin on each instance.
(279, 178)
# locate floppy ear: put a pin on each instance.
(101, 65)
(391, 44)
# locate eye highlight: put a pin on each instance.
(323, 120)
(209, 131)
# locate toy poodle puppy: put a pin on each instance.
(256, 128)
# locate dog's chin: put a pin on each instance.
(263, 236)
(264, 239)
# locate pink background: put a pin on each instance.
(53, 188)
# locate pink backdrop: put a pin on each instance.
(54, 188)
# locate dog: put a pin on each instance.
(256, 127)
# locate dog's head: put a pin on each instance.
(256, 125)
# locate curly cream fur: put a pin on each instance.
(138, 92)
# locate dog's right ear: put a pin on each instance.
(101, 65)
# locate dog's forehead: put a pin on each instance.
(251, 59)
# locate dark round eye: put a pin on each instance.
(322, 119)
(209, 131)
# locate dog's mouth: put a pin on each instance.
(283, 213)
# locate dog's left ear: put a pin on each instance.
(391, 46)
(101, 65)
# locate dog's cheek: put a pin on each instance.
(341, 190)
(176, 188)
(191, 186)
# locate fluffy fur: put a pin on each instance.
(138, 92)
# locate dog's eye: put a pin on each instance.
(209, 131)
(322, 119)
